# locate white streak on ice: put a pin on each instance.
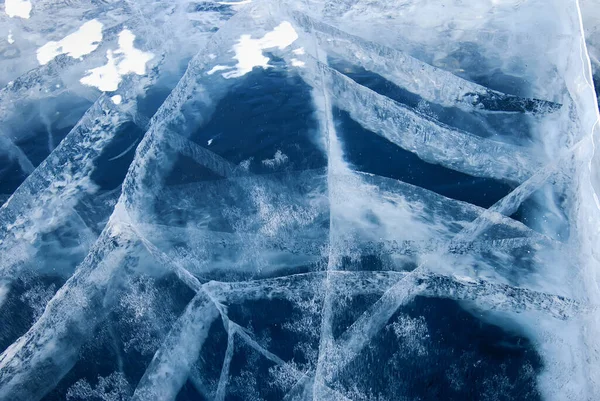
(81, 42)
(123, 153)
(224, 378)
(10, 38)
(217, 68)
(3, 292)
(125, 60)
(249, 52)
(171, 364)
(18, 8)
(234, 3)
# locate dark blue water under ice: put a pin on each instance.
(467, 357)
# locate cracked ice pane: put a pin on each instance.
(314, 200)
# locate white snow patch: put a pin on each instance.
(10, 38)
(299, 51)
(298, 63)
(81, 42)
(106, 78)
(117, 99)
(125, 60)
(134, 59)
(18, 8)
(248, 51)
(278, 159)
(209, 141)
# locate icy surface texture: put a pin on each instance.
(299, 200)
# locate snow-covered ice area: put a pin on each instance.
(127, 59)
(249, 51)
(315, 200)
(18, 8)
(81, 42)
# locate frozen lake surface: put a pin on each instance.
(299, 200)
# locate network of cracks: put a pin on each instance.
(335, 231)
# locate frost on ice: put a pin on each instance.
(387, 203)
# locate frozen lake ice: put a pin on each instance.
(299, 200)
